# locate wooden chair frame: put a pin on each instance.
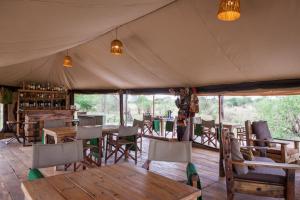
(211, 137)
(117, 144)
(259, 188)
(282, 156)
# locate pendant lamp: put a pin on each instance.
(116, 46)
(68, 60)
(229, 10)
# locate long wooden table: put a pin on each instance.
(60, 133)
(122, 182)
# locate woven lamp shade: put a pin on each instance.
(116, 47)
(68, 61)
(229, 10)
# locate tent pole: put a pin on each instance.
(126, 108)
(121, 108)
(153, 104)
(221, 117)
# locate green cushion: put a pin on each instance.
(169, 126)
(130, 146)
(94, 141)
(156, 125)
(34, 174)
(190, 171)
(198, 130)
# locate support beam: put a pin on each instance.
(221, 117)
(208, 89)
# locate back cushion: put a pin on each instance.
(262, 132)
(237, 155)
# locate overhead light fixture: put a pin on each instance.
(116, 45)
(229, 10)
(68, 60)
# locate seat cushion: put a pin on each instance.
(264, 174)
(262, 132)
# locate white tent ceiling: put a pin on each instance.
(167, 43)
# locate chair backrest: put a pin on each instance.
(87, 120)
(208, 124)
(88, 132)
(198, 129)
(169, 126)
(260, 130)
(138, 123)
(147, 117)
(48, 155)
(54, 123)
(196, 120)
(127, 131)
(170, 151)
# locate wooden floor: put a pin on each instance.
(15, 161)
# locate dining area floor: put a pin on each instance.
(15, 161)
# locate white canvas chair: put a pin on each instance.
(50, 155)
(140, 125)
(174, 152)
(126, 140)
(52, 123)
(169, 152)
(93, 143)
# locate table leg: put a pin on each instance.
(45, 138)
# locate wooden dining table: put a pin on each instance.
(62, 132)
(122, 182)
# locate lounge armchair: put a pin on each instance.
(264, 178)
(258, 134)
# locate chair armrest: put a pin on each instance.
(254, 147)
(267, 164)
(271, 141)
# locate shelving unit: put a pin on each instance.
(39, 100)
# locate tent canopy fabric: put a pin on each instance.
(167, 43)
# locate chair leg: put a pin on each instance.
(135, 160)
(290, 184)
(99, 161)
(106, 150)
(141, 146)
(116, 153)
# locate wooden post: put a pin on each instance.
(153, 105)
(5, 117)
(121, 108)
(221, 116)
(126, 108)
(72, 100)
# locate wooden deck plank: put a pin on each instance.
(15, 160)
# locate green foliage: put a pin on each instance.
(6, 96)
(208, 107)
(143, 104)
(107, 105)
(86, 103)
(282, 114)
